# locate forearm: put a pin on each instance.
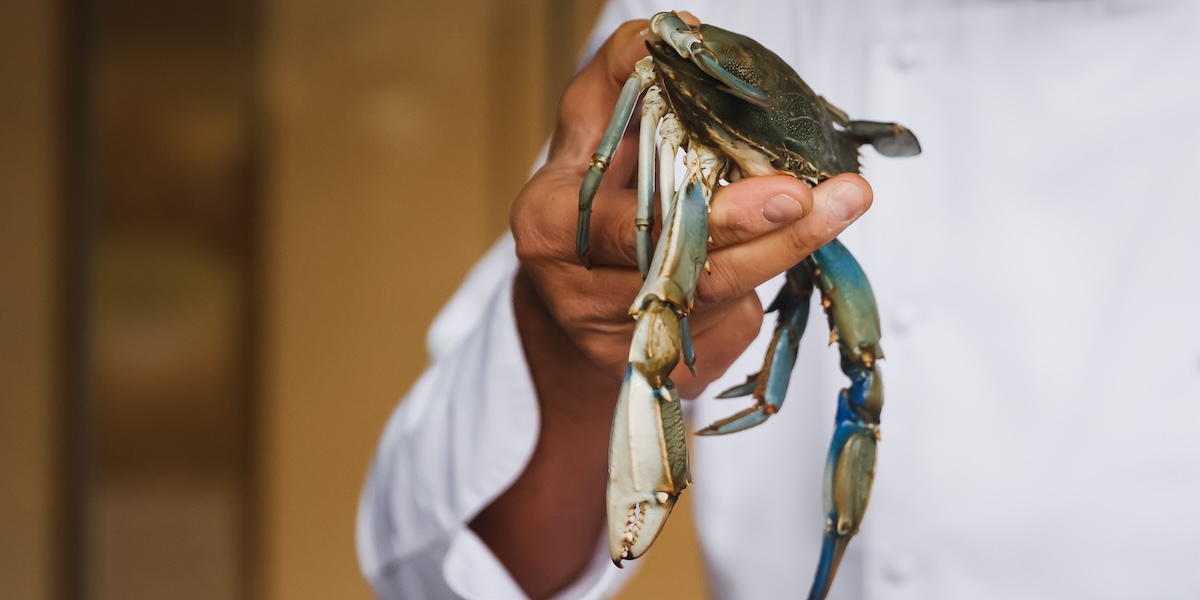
(545, 527)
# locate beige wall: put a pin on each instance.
(374, 208)
(28, 299)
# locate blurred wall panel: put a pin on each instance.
(376, 204)
(29, 195)
(171, 322)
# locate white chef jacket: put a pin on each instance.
(1036, 273)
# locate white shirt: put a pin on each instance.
(1036, 272)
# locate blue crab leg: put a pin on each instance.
(683, 247)
(689, 353)
(672, 134)
(640, 79)
(690, 44)
(850, 465)
(653, 109)
(769, 386)
(647, 465)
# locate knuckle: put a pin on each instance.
(581, 309)
(738, 326)
(622, 40)
(800, 240)
(574, 322)
(530, 241)
(734, 225)
(536, 233)
(626, 238)
(571, 321)
(718, 284)
(751, 313)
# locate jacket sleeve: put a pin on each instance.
(460, 438)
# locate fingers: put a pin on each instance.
(777, 218)
(544, 218)
(749, 208)
(741, 211)
(739, 268)
(588, 102)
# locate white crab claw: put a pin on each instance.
(647, 464)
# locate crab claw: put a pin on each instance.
(689, 43)
(889, 139)
(647, 453)
(647, 464)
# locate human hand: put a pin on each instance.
(760, 227)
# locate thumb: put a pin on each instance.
(739, 268)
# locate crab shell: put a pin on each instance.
(795, 136)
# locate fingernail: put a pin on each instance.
(846, 201)
(782, 209)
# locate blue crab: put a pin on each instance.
(739, 111)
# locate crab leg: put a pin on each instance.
(854, 325)
(890, 139)
(671, 132)
(769, 386)
(647, 461)
(653, 109)
(850, 465)
(640, 79)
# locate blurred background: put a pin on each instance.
(224, 228)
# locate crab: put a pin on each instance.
(738, 110)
